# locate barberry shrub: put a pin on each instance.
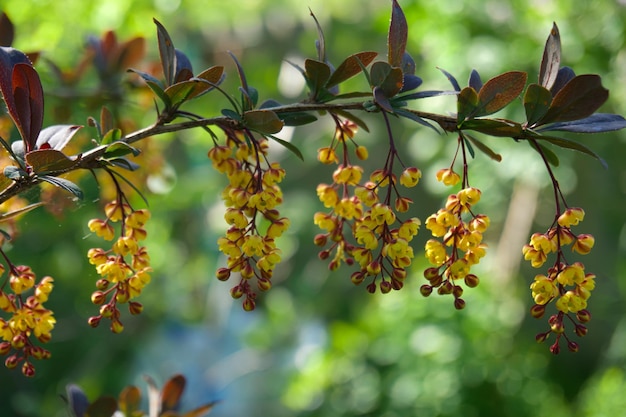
(363, 216)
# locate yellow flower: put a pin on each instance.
(448, 177)
(327, 156)
(101, 228)
(410, 177)
(327, 195)
(571, 217)
(543, 289)
(435, 252)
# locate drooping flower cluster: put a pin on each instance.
(567, 284)
(460, 245)
(125, 268)
(363, 224)
(28, 317)
(251, 198)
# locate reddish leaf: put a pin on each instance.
(102, 407)
(171, 392)
(7, 31)
(499, 91)
(131, 53)
(212, 75)
(467, 102)
(398, 32)
(47, 160)
(536, 103)
(578, 99)
(551, 59)
(10, 57)
(350, 67)
(28, 96)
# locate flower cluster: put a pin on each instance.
(568, 284)
(460, 245)
(251, 198)
(124, 269)
(376, 239)
(28, 317)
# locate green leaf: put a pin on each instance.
(550, 156)
(579, 98)
(231, 114)
(397, 37)
(407, 113)
(467, 102)
(379, 72)
(570, 144)
(536, 103)
(64, 184)
(317, 74)
(111, 136)
(10, 215)
(167, 53)
(350, 116)
(47, 160)
(290, 146)
(130, 401)
(155, 85)
(263, 121)
(117, 149)
(186, 90)
(494, 127)
(499, 91)
(484, 148)
(297, 118)
(124, 164)
(350, 67)
(551, 59)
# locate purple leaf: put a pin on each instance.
(28, 100)
(596, 123)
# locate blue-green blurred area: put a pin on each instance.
(317, 345)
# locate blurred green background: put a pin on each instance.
(317, 345)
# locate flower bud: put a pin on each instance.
(537, 311)
(580, 330)
(135, 308)
(459, 303)
(541, 337)
(426, 290)
(98, 297)
(94, 321)
(385, 287)
(248, 304)
(117, 326)
(357, 277)
(28, 369)
(583, 316)
(223, 274)
(320, 239)
(471, 280)
(11, 362)
(5, 347)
